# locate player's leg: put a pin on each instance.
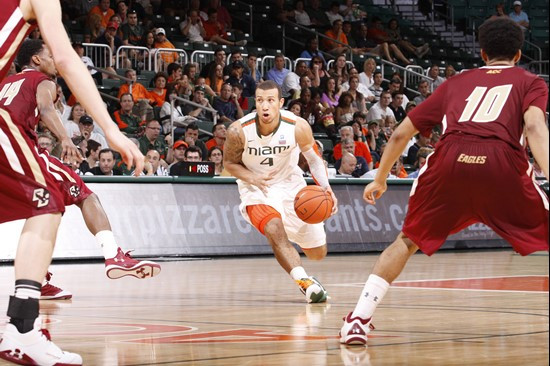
(117, 263)
(316, 254)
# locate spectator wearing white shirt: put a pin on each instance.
(334, 12)
(192, 27)
(367, 76)
(433, 72)
(381, 110)
(291, 82)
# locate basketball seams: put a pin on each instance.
(321, 195)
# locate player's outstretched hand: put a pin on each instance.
(69, 153)
(374, 191)
(334, 200)
(129, 151)
(262, 181)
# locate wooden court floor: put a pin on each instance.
(466, 308)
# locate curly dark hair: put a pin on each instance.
(29, 48)
(500, 38)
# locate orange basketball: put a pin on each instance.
(313, 205)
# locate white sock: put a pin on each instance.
(373, 292)
(297, 273)
(106, 240)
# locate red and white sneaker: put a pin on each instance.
(355, 330)
(34, 348)
(51, 292)
(124, 265)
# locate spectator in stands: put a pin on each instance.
(360, 86)
(215, 31)
(132, 31)
(192, 27)
(236, 55)
(396, 106)
(396, 171)
(359, 99)
(410, 106)
(363, 44)
(312, 49)
(296, 107)
(361, 165)
(291, 82)
(433, 72)
(331, 94)
(499, 11)
(154, 168)
(317, 15)
(190, 70)
(174, 71)
(374, 131)
(311, 111)
(106, 164)
(449, 71)
(395, 86)
(178, 149)
(395, 37)
(162, 42)
(110, 38)
(158, 94)
(519, 16)
(299, 14)
(71, 124)
(367, 76)
(79, 49)
(347, 28)
(93, 28)
(143, 108)
(219, 59)
(317, 71)
(421, 158)
(197, 112)
(376, 88)
(358, 125)
(153, 139)
(122, 11)
(46, 141)
(339, 69)
(381, 110)
(179, 118)
(215, 155)
(343, 113)
(377, 33)
(227, 105)
(127, 122)
(333, 12)
(360, 148)
(92, 156)
(337, 41)
(215, 79)
(86, 130)
(191, 153)
(239, 77)
(192, 139)
(424, 89)
(351, 12)
(420, 141)
(116, 19)
(237, 89)
(346, 165)
(278, 72)
(224, 17)
(252, 69)
(104, 11)
(218, 132)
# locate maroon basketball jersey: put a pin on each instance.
(487, 102)
(13, 31)
(18, 98)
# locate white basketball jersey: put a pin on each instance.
(277, 152)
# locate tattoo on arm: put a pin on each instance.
(234, 147)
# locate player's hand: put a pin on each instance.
(69, 153)
(374, 191)
(334, 200)
(129, 151)
(263, 181)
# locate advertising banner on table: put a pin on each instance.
(204, 219)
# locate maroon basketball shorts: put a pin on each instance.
(72, 187)
(27, 189)
(469, 180)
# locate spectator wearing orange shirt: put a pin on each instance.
(158, 94)
(336, 34)
(143, 106)
(162, 42)
(361, 148)
(215, 31)
(104, 11)
(127, 122)
(219, 131)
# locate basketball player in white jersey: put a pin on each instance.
(261, 150)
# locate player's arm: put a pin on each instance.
(48, 15)
(304, 138)
(537, 135)
(395, 147)
(45, 97)
(232, 159)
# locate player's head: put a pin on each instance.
(35, 54)
(500, 39)
(268, 101)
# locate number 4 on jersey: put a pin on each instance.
(491, 103)
(267, 161)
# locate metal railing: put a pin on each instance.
(161, 64)
(268, 62)
(114, 75)
(100, 54)
(140, 57)
(196, 105)
(539, 67)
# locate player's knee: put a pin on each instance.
(316, 254)
(273, 227)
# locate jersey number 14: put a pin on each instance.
(491, 102)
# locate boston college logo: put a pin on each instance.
(41, 196)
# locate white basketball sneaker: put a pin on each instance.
(355, 330)
(34, 348)
(314, 291)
